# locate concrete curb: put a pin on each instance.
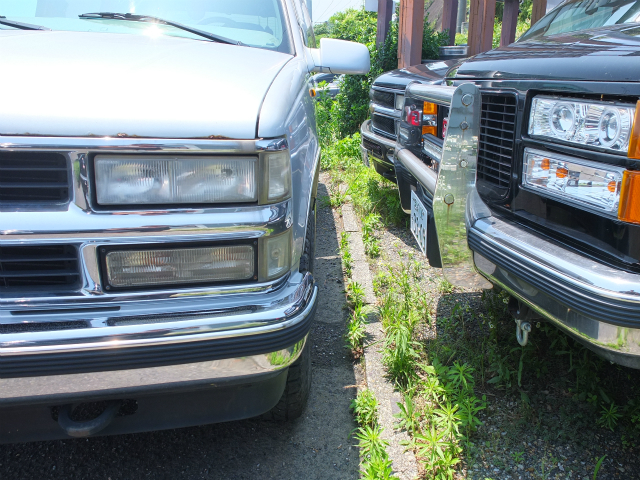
(404, 462)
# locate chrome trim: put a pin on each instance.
(431, 93)
(384, 111)
(431, 149)
(425, 175)
(86, 385)
(278, 312)
(397, 91)
(366, 131)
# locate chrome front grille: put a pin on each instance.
(33, 178)
(496, 145)
(29, 268)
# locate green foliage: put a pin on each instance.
(598, 465)
(609, 417)
(365, 408)
(347, 259)
(370, 227)
(376, 464)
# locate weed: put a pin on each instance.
(370, 226)
(408, 416)
(598, 465)
(609, 417)
(517, 456)
(365, 408)
(347, 259)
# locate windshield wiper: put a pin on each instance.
(20, 25)
(146, 18)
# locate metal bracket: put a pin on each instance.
(522, 332)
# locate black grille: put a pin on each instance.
(385, 99)
(384, 124)
(33, 177)
(497, 135)
(372, 147)
(28, 268)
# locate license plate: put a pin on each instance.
(419, 222)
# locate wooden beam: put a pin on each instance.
(410, 33)
(509, 22)
(481, 17)
(538, 10)
(385, 12)
(449, 18)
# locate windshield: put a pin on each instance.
(577, 15)
(257, 23)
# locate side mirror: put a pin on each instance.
(341, 56)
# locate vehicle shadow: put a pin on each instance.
(316, 446)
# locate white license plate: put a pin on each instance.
(419, 222)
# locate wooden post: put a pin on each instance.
(410, 35)
(385, 12)
(481, 17)
(449, 18)
(509, 21)
(538, 10)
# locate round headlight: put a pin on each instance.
(562, 118)
(609, 127)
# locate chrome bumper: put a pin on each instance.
(249, 337)
(598, 305)
(388, 145)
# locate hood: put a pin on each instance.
(399, 79)
(100, 84)
(604, 54)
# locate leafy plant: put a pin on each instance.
(370, 226)
(408, 416)
(609, 417)
(365, 408)
(598, 465)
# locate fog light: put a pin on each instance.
(275, 256)
(179, 266)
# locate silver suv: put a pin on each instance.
(158, 174)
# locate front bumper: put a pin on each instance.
(597, 305)
(377, 151)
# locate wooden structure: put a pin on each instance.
(385, 12)
(481, 20)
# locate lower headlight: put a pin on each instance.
(179, 266)
(587, 184)
(160, 180)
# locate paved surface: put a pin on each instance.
(316, 446)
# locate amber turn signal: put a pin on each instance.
(629, 208)
(431, 130)
(429, 109)
(634, 141)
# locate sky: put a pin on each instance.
(323, 9)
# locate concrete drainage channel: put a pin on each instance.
(403, 460)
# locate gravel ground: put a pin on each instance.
(554, 438)
(316, 446)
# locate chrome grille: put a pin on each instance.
(27, 268)
(385, 99)
(385, 125)
(497, 137)
(34, 177)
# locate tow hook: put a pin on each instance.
(89, 427)
(522, 332)
(521, 314)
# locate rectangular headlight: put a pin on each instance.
(399, 102)
(158, 180)
(275, 255)
(587, 184)
(595, 124)
(179, 266)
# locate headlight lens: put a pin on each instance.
(279, 186)
(136, 180)
(399, 102)
(180, 266)
(596, 124)
(587, 184)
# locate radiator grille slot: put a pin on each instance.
(28, 268)
(497, 137)
(384, 125)
(33, 177)
(372, 147)
(385, 99)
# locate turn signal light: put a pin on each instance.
(634, 141)
(629, 208)
(432, 130)
(430, 108)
